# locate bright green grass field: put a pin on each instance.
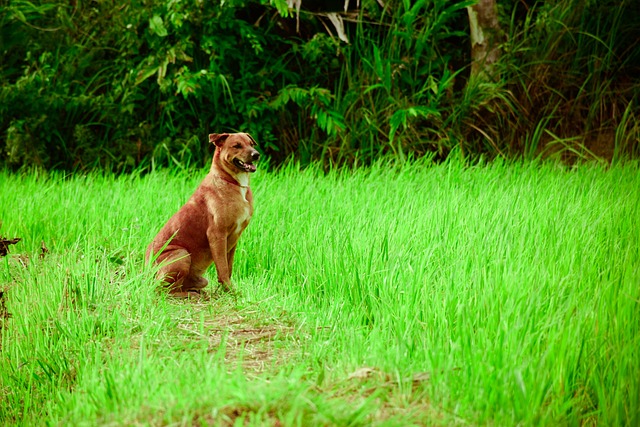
(501, 294)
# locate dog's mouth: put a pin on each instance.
(244, 166)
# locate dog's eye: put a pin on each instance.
(237, 146)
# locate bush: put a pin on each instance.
(141, 84)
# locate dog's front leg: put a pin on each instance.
(219, 254)
(230, 255)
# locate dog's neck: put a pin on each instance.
(241, 181)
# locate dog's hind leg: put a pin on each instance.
(175, 265)
(194, 283)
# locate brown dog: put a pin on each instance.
(206, 229)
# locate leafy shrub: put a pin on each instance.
(140, 85)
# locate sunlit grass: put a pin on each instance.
(496, 294)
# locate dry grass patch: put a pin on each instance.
(245, 335)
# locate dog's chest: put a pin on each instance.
(243, 219)
(243, 212)
(243, 192)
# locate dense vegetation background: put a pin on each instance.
(126, 85)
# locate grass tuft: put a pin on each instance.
(395, 294)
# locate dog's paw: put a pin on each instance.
(199, 283)
(229, 290)
(191, 294)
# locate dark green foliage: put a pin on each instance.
(113, 85)
(571, 69)
(130, 85)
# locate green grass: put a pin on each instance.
(499, 294)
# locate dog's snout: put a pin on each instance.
(255, 156)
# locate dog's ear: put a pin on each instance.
(218, 138)
(251, 139)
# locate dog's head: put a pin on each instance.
(236, 150)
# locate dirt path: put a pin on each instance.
(245, 334)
